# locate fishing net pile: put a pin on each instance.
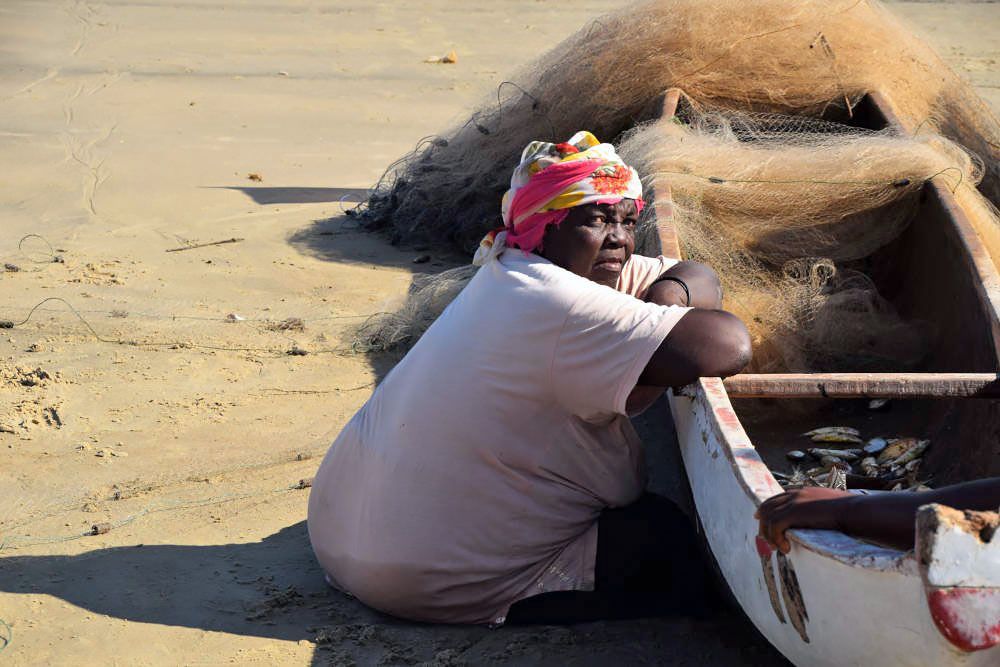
(784, 208)
(780, 203)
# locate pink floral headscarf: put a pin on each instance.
(551, 179)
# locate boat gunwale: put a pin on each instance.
(757, 482)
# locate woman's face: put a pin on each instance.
(593, 241)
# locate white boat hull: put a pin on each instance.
(856, 604)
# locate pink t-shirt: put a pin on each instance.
(474, 475)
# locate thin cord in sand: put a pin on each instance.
(123, 314)
(8, 637)
(335, 390)
(53, 257)
(175, 344)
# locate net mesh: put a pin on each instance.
(781, 207)
(780, 202)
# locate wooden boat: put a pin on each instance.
(835, 600)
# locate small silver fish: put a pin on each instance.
(876, 445)
(895, 448)
(869, 466)
(912, 453)
(843, 454)
(829, 461)
(834, 434)
(795, 455)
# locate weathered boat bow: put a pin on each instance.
(959, 559)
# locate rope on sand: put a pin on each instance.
(51, 257)
(7, 637)
(294, 350)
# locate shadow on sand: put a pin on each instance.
(341, 239)
(266, 196)
(275, 589)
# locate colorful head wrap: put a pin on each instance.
(551, 179)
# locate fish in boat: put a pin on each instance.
(836, 600)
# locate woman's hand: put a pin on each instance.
(811, 507)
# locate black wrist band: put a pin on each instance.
(687, 292)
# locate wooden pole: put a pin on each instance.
(204, 245)
(864, 385)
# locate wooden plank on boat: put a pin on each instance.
(663, 204)
(864, 385)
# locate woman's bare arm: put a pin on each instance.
(702, 283)
(707, 342)
(886, 518)
(704, 343)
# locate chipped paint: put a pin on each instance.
(968, 617)
(791, 593)
(959, 547)
(772, 587)
(728, 417)
(855, 553)
(765, 551)
(960, 566)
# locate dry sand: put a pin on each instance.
(130, 128)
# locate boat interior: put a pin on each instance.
(933, 273)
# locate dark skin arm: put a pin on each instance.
(702, 282)
(707, 342)
(884, 518)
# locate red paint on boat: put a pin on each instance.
(728, 417)
(968, 617)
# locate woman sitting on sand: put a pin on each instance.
(494, 475)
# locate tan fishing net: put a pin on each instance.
(778, 201)
(781, 207)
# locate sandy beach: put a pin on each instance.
(181, 283)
